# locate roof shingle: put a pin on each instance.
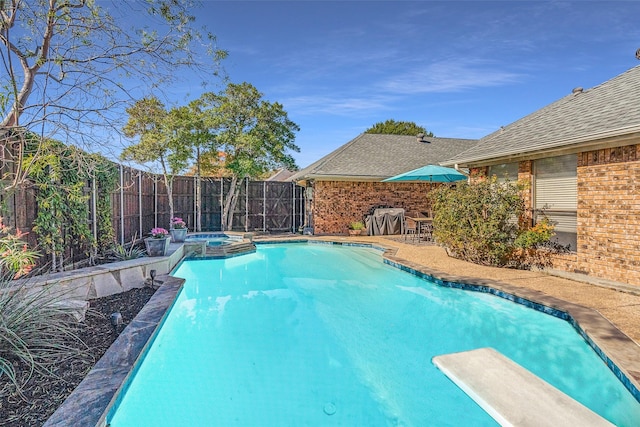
(375, 157)
(608, 110)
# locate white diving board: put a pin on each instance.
(512, 395)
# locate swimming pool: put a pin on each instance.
(303, 334)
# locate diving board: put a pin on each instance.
(512, 395)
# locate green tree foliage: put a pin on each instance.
(159, 140)
(70, 66)
(392, 127)
(193, 131)
(479, 222)
(255, 135)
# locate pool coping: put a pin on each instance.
(90, 402)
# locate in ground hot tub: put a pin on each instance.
(214, 239)
(217, 245)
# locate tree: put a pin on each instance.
(193, 131)
(68, 66)
(254, 134)
(392, 127)
(159, 141)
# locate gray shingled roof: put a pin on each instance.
(375, 157)
(610, 109)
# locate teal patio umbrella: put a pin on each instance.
(429, 173)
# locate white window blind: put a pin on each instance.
(556, 190)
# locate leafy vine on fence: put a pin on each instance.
(61, 176)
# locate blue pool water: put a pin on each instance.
(319, 335)
(213, 239)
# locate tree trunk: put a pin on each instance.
(230, 204)
(168, 182)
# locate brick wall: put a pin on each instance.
(609, 214)
(337, 203)
(608, 229)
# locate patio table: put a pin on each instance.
(424, 226)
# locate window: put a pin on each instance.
(556, 195)
(505, 171)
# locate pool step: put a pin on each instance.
(512, 395)
(233, 249)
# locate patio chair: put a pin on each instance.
(410, 227)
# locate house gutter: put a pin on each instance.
(629, 135)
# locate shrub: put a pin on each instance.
(356, 225)
(15, 257)
(481, 222)
(36, 331)
(120, 252)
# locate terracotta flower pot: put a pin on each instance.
(157, 247)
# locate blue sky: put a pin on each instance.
(459, 68)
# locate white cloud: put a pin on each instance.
(449, 76)
(336, 105)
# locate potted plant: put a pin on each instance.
(178, 230)
(355, 228)
(158, 243)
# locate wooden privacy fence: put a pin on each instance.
(141, 203)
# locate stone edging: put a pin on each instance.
(98, 391)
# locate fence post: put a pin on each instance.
(195, 204)
(293, 207)
(302, 206)
(264, 206)
(94, 207)
(155, 201)
(221, 203)
(246, 205)
(140, 202)
(121, 205)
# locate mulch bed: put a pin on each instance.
(42, 395)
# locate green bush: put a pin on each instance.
(480, 223)
(16, 259)
(356, 225)
(36, 331)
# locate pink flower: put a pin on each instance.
(177, 222)
(159, 233)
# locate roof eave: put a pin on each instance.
(326, 177)
(608, 139)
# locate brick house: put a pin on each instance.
(581, 155)
(346, 184)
